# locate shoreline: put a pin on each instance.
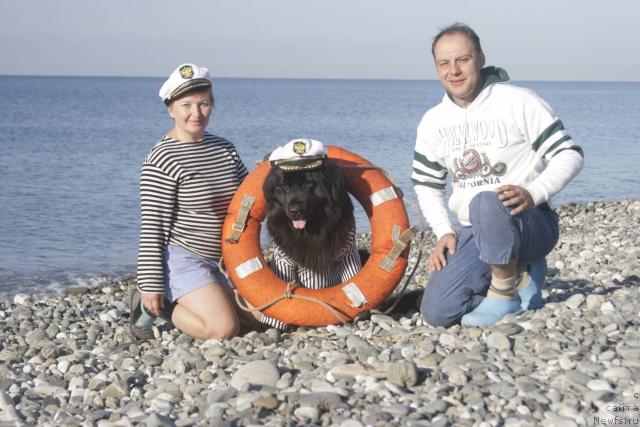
(92, 280)
(68, 359)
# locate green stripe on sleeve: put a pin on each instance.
(553, 128)
(422, 173)
(423, 159)
(557, 143)
(429, 184)
(574, 148)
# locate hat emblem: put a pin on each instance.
(186, 72)
(299, 147)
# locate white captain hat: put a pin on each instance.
(185, 78)
(299, 154)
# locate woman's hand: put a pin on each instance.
(446, 245)
(515, 197)
(153, 303)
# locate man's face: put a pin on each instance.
(458, 65)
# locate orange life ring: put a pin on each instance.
(258, 285)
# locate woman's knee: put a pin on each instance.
(221, 329)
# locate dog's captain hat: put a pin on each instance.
(185, 78)
(299, 154)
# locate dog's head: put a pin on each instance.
(307, 199)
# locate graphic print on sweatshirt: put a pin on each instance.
(467, 145)
(474, 169)
(472, 134)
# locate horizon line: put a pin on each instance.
(302, 78)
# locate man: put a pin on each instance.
(507, 154)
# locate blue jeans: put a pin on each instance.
(494, 237)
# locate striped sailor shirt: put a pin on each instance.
(185, 188)
(346, 265)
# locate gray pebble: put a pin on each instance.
(607, 307)
(509, 329)
(157, 420)
(35, 338)
(307, 413)
(498, 341)
(594, 301)
(404, 374)
(575, 301)
(326, 401)
(7, 408)
(362, 348)
(599, 385)
(447, 340)
(259, 372)
(21, 299)
(616, 373)
(455, 375)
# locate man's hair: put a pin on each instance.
(461, 28)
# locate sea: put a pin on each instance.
(71, 149)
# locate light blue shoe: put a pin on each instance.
(490, 311)
(530, 294)
(140, 322)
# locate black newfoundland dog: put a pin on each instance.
(310, 218)
(309, 214)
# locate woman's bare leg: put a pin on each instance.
(207, 313)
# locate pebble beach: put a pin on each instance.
(70, 359)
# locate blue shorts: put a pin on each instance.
(184, 272)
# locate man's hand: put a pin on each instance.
(515, 197)
(438, 257)
(153, 303)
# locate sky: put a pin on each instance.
(352, 39)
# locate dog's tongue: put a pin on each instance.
(299, 223)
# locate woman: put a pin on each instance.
(186, 184)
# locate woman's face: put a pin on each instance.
(191, 114)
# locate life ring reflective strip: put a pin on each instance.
(258, 285)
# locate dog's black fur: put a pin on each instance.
(318, 196)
